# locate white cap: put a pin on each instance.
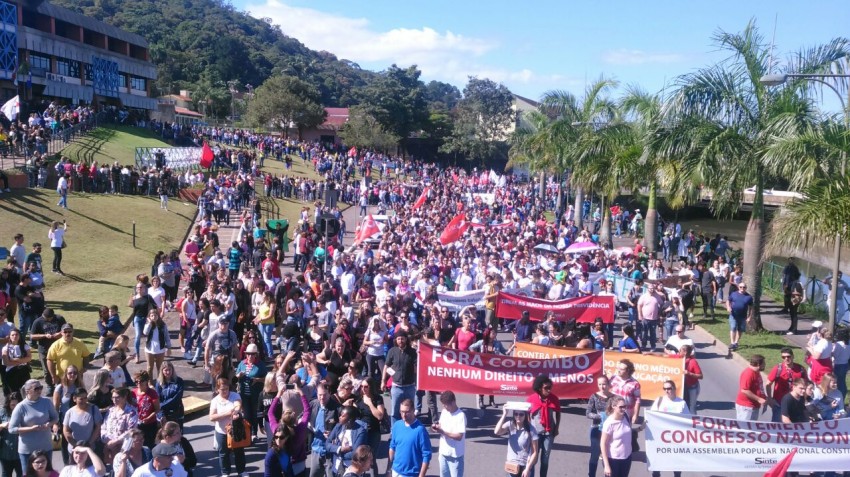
(251, 348)
(817, 324)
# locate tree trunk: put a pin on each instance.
(605, 228)
(541, 193)
(650, 239)
(579, 208)
(560, 202)
(753, 249)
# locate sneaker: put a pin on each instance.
(789, 332)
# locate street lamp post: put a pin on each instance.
(778, 79)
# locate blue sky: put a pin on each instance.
(540, 46)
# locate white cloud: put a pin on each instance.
(625, 56)
(445, 56)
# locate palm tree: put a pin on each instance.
(533, 147)
(609, 162)
(576, 121)
(732, 118)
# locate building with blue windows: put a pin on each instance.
(53, 53)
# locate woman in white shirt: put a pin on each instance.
(225, 407)
(672, 404)
(57, 242)
(81, 468)
(157, 293)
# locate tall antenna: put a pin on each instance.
(772, 45)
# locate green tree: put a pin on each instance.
(577, 121)
(441, 96)
(396, 100)
(363, 130)
(283, 101)
(731, 120)
(482, 119)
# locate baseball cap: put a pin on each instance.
(164, 450)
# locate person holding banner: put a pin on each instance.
(546, 418)
(616, 439)
(522, 443)
(597, 411)
(673, 404)
(489, 344)
(693, 375)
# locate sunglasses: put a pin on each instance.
(619, 407)
(785, 356)
(668, 389)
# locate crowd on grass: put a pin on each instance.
(318, 366)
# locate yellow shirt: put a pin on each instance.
(65, 354)
(264, 313)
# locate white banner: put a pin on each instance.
(176, 158)
(456, 301)
(676, 442)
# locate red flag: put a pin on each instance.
(206, 156)
(421, 199)
(352, 152)
(781, 467)
(454, 230)
(368, 228)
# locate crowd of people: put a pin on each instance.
(321, 361)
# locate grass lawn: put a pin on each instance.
(765, 343)
(110, 144)
(100, 261)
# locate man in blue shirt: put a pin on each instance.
(740, 308)
(410, 446)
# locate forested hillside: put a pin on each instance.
(202, 44)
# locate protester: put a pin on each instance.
(780, 378)
(793, 407)
(147, 402)
(523, 442)
(122, 417)
(452, 430)
(9, 458)
(410, 446)
(133, 455)
(545, 414)
(616, 439)
(740, 307)
(597, 412)
(751, 397)
(162, 463)
(170, 434)
(82, 455)
(670, 403)
(34, 420)
(169, 387)
(401, 359)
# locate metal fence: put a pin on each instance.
(816, 291)
(17, 156)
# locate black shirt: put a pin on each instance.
(143, 305)
(794, 409)
(403, 362)
(42, 326)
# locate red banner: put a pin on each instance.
(573, 377)
(583, 309)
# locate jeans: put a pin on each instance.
(57, 258)
(595, 451)
(266, 331)
(10, 466)
(840, 371)
(318, 465)
(609, 333)
(48, 378)
(691, 396)
(775, 414)
(451, 466)
(544, 449)
(670, 328)
(63, 199)
(620, 467)
(399, 394)
(139, 326)
(25, 322)
(224, 455)
(648, 334)
(375, 365)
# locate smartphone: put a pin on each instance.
(290, 386)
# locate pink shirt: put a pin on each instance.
(620, 432)
(648, 306)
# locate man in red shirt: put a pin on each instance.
(751, 396)
(273, 264)
(780, 379)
